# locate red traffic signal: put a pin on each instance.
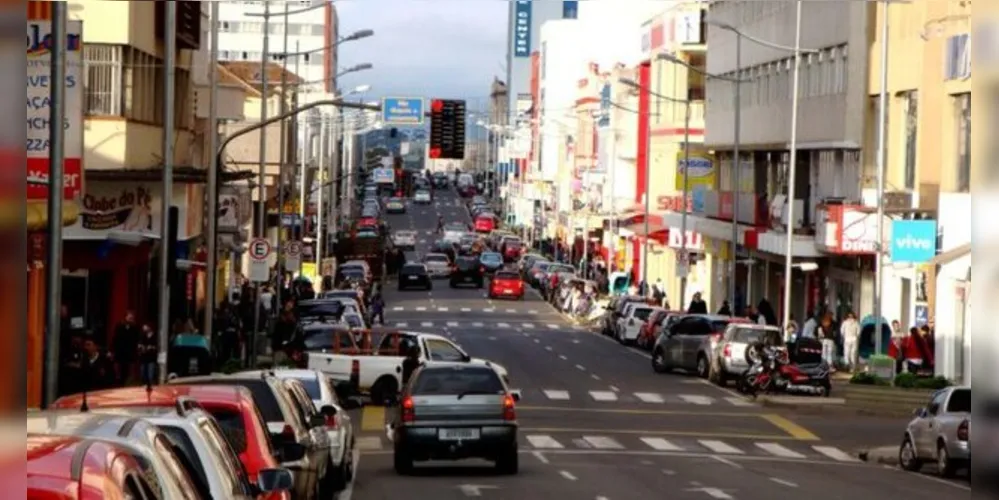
(436, 105)
(435, 152)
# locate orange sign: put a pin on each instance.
(39, 11)
(673, 203)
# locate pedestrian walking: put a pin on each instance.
(849, 330)
(378, 309)
(148, 350)
(123, 348)
(97, 370)
(825, 333)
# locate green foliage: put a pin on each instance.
(913, 381)
(867, 378)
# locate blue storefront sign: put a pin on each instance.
(913, 241)
(570, 9)
(402, 110)
(522, 29)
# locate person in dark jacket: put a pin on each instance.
(148, 349)
(410, 364)
(377, 309)
(124, 347)
(724, 310)
(71, 366)
(697, 305)
(97, 370)
(284, 328)
(767, 311)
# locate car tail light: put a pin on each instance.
(408, 410)
(727, 351)
(962, 431)
(333, 422)
(509, 413)
(288, 432)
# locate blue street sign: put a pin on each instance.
(522, 29)
(913, 241)
(570, 9)
(402, 110)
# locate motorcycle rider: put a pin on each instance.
(440, 223)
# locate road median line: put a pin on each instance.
(792, 429)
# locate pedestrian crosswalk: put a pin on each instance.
(502, 325)
(609, 442)
(490, 310)
(539, 396)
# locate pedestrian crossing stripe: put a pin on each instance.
(532, 312)
(638, 398)
(691, 445)
(480, 324)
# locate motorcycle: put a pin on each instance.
(773, 372)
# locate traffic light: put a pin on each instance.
(447, 129)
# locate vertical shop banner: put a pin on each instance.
(39, 59)
(701, 177)
(570, 9)
(522, 28)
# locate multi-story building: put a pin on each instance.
(524, 28)
(241, 34)
(833, 100)
(928, 169)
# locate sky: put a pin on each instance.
(425, 48)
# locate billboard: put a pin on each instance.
(39, 59)
(402, 110)
(913, 241)
(383, 175)
(522, 28)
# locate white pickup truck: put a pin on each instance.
(378, 371)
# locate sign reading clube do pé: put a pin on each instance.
(39, 104)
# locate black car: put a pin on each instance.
(440, 181)
(415, 275)
(468, 271)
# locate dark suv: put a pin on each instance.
(466, 271)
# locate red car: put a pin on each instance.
(506, 284)
(485, 224)
(233, 407)
(72, 468)
(650, 329)
(512, 250)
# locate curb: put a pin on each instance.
(884, 455)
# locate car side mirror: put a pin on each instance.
(328, 411)
(291, 452)
(274, 480)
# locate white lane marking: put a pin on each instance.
(369, 443)
(401, 325)
(548, 348)
(579, 367)
(442, 309)
(603, 396)
(466, 309)
(696, 399)
(649, 397)
(537, 341)
(492, 338)
(477, 324)
(575, 341)
(397, 309)
(660, 444)
(511, 311)
(720, 447)
(426, 324)
(738, 401)
(541, 457)
(593, 375)
(556, 395)
(532, 311)
(835, 453)
(723, 460)
(778, 450)
(489, 310)
(528, 325)
(552, 326)
(452, 323)
(421, 308)
(568, 475)
(544, 441)
(503, 325)
(602, 498)
(603, 443)
(562, 357)
(615, 389)
(784, 482)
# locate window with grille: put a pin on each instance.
(963, 110)
(911, 133)
(103, 79)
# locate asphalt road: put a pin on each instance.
(597, 423)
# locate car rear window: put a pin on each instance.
(507, 276)
(467, 264)
(457, 381)
(263, 395)
(960, 401)
(643, 313)
(418, 270)
(561, 268)
(231, 423)
(747, 335)
(311, 386)
(436, 258)
(719, 326)
(181, 440)
(491, 257)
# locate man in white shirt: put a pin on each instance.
(849, 329)
(808, 330)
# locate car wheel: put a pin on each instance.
(721, 378)
(908, 459)
(659, 363)
(402, 461)
(946, 467)
(702, 366)
(508, 462)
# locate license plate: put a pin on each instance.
(413, 278)
(458, 434)
(508, 292)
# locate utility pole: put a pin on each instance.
(211, 190)
(262, 178)
(736, 176)
(303, 164)
(321, 175)
(335, 172)
(169, 70)
(792, 180)
(282, 158)
(879, 282)
(684, 256)
(57, 159)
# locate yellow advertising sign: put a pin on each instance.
(701, 171)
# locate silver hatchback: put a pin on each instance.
(453, 411)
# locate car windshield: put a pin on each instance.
(643, 314)
(318, 338)
(464, 380)
(960, 401)
(262, 393)
(507, 276)
(395, 200)
(491, 257)
(231, 423)
(719, 326)
(437, 259)
(331, 308)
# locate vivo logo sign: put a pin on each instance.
(913, 241)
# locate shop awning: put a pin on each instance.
(37, 215)
(656, 228)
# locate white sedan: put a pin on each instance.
(422, 197)
(405, 240)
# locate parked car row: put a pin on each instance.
(263, 435)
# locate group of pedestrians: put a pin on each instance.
(131, 356)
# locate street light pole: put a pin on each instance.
(212, 210)
(283, 159)
(169, 71)
(57, 158)
(882, 151)
(686, 195)
(792, 177)
(736, 175)
(262, 179)
(648, 173)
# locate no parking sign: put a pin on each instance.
(260, 251)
